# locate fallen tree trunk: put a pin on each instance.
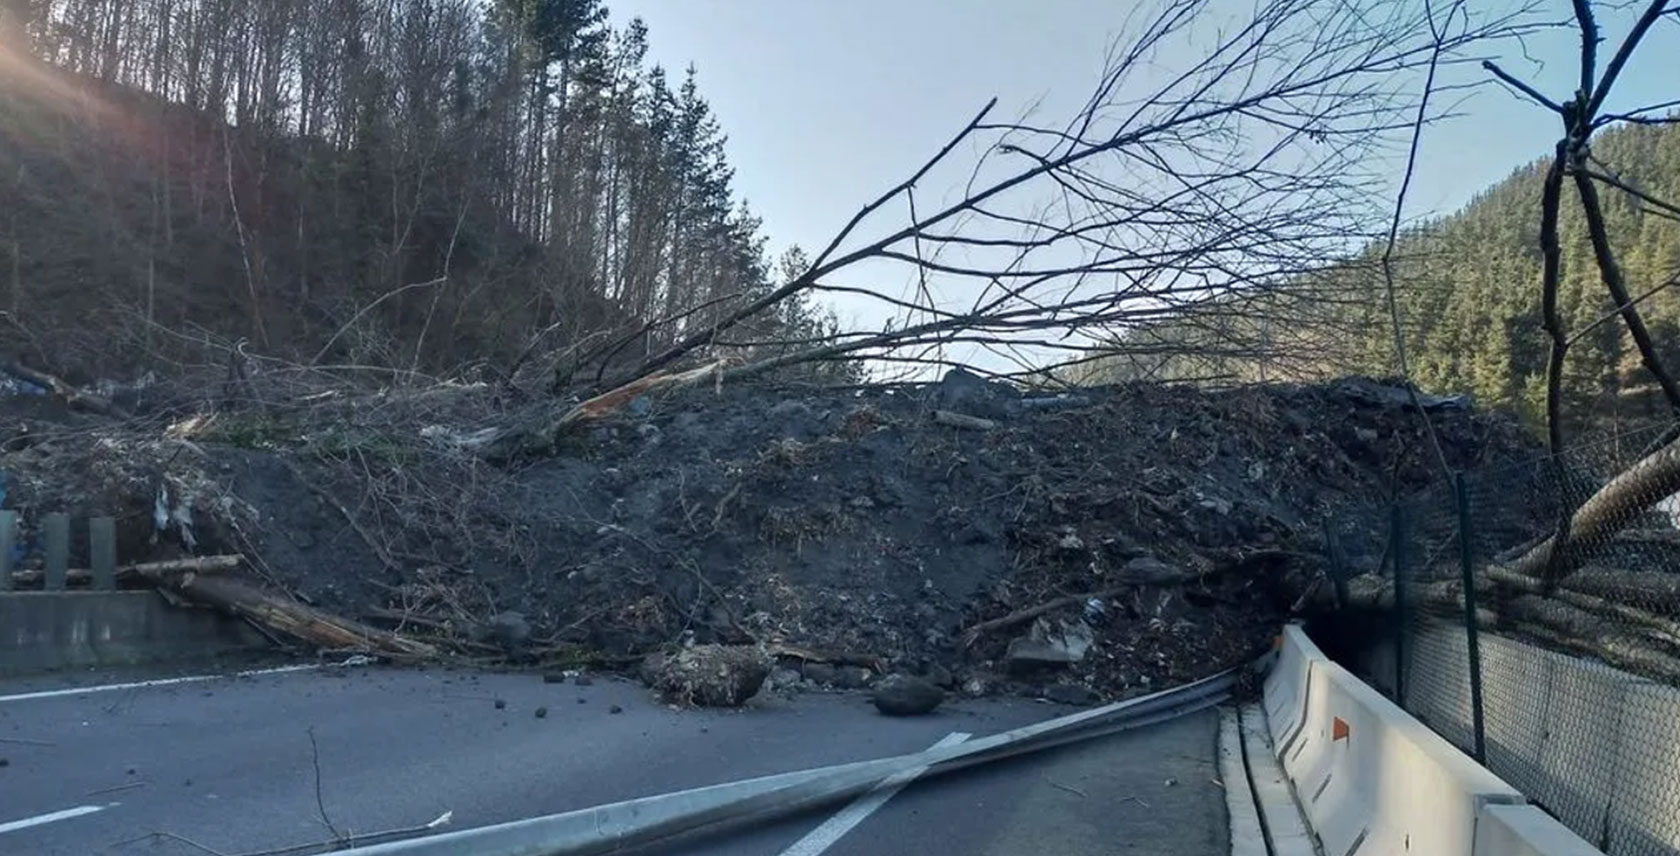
(1570, 620)
(1590, 634)
(288, 618)
(137, 572)
(62, 390)
(540, 436)
(1608, 511)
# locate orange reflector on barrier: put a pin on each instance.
(1338, 729)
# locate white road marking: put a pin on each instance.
(824, 836)
(159, 682)
(39, 819)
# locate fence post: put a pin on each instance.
(8, 538)
(102, 552)
(1471, 631)
(1397, 540)
(1338, 575)
(57, 545)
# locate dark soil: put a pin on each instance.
(834, 520)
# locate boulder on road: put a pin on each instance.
(904, 695)
(708, 675)
(1059, 643)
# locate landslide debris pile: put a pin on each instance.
(1087, 544)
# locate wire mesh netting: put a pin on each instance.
(1531, 616)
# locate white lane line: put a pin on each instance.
(824, 836)
(158, 682)
(54, 817)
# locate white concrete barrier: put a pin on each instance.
(1371, 779)
(1523, 830)
(1285, 697)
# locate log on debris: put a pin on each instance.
(837, 658)
(1623, 636)
(1021, 616)
(143, 571)
(539, 437)
(1142, 571)
(963, 420)
(1608, 511)
(63, 390)
(1591, 634)
(286, 617)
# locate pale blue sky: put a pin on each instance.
(827, 103)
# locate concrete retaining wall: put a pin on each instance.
(44, 631)
(1597, 747)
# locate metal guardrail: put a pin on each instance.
(654, 819)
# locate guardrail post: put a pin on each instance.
(8, 540)
(1472, 642)
(1397, 542)
(57, 527)
(102, 552)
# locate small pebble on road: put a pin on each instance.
(541, 712)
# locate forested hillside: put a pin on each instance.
(1468, 291)
(1471, 299)
(429, 184)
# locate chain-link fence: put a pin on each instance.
(1530, 614)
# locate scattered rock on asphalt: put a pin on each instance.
(5, 762)
(501, 704)
(1050, 643)
(975, 687)
(554, 678)
(615, 709)
(583, 680)
(904, 695)
(708, 675)
(541, 712)
(1074, 694)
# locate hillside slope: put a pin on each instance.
(1468, 291)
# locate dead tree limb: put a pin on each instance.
(1154, 204)
(142, 571)
(1611, 272)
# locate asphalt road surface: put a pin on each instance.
(229, 766)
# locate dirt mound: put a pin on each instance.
(1121, 538)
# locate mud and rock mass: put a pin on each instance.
(1169, 529)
